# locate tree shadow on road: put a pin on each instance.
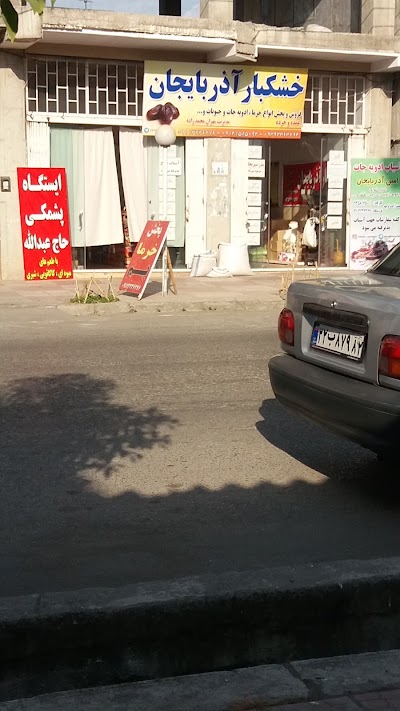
(65, 424)
(87, 501)
(56, 434)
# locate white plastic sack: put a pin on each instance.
(218, 273)
(290, 239)
(203, 263)
(234, 258)
(310, 234)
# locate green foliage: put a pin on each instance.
(93, 293)
(10, 15)
(93, 299)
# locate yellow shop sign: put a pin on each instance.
(214, 100)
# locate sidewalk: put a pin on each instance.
(329, 684)
(258, 291)
(375, 701)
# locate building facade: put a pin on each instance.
(71, 95)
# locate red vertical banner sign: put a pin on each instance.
(144, 258)
(46, 239)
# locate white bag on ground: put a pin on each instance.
(203, 263)
(234, 258)
(217, 273)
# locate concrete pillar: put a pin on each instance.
(218, 199)
(395, 152)
(379, 117)
(170, 7)
(12, 156)
(217, 10)
(378, 17)
(397, 19)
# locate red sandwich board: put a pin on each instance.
(144, 258)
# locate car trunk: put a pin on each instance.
(350, 315)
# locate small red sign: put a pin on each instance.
(46, 241)
(144, 258)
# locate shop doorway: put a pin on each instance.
(176, 194)
(299, 213)
(115, 185)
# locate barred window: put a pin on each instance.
(85, 88)
(71, 87)
(335, 100)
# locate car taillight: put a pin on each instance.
(389, 357)
(286, 327)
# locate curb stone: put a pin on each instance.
(218, 691)
(238, 619)
(251, 689)
(352, 674)
(170, 307)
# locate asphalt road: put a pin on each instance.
(147, 447)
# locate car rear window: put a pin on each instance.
(388, 265)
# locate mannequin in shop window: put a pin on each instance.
(310, 238)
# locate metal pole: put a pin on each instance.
(165, 210)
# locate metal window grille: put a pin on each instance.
(335, 100)
(72, 87)
(85, 88)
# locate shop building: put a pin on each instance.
(72, 95)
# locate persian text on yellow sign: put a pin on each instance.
(213, 100)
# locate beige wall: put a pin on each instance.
(217, 10)
(396, 118)
(378, 17)
(12, 155)
(218, 201)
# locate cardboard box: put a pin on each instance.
(276, 225)
(276, 245)
(276, 241)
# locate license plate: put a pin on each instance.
(348, 345)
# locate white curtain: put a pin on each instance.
(67, 149)
(38, 141)
(134, 180)
(103, 223)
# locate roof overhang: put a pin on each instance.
(215, 45)
(216, 49)
(375, 61)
